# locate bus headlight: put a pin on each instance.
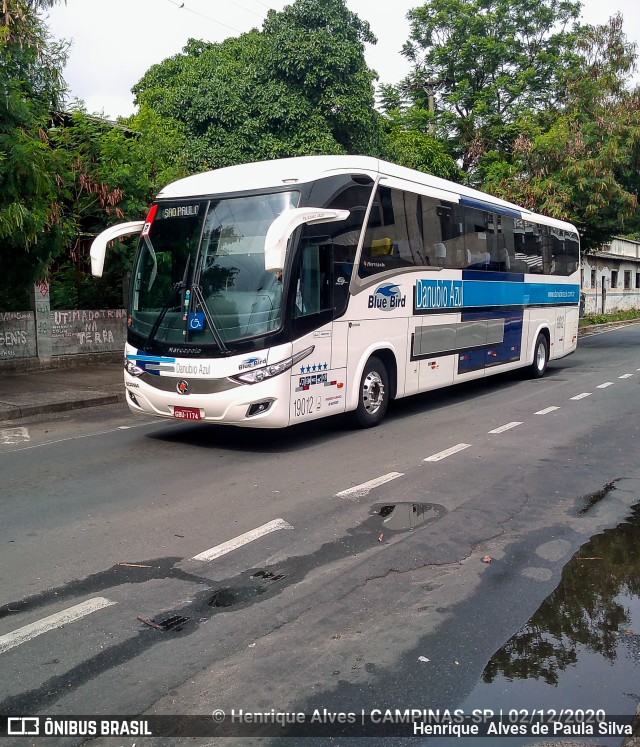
(131, 368)
(257, 375)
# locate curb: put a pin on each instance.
(16, 413)
(607, 325)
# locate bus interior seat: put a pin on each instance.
(245, 312)
(381, 247)
(518, 265)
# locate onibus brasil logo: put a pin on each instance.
(387, 297)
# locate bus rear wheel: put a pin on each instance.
(540, 357)
(374, 394)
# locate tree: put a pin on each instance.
(409, 140)
(300, 86)
(316, 48)
(579, 161)
(31, 87)
(490, 61)
(107, 179)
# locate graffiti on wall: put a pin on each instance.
(84, 331)
(17, 335)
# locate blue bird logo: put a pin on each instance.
(388, 290)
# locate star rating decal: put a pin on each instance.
(314, 367)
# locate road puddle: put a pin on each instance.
(581, 648)
(402, 516)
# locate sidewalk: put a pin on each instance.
(38, 392)
(60, 389)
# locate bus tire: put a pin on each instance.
(373, 397)
(540, 357)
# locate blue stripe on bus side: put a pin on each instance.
(433, 295)
(155, 358)
(481, 293)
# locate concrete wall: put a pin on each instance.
(79, 332)
(17, 335)
(43, 338)
(611, 278)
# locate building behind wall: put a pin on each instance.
(611, 277)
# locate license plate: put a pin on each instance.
(186, 413)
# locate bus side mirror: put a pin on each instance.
(275, 242)
(99, 244)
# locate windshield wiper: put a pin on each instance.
(177, 287)
(199, 297)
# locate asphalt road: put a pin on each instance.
(308, 598)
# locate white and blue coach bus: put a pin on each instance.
(272, 293)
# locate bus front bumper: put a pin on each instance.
(261, 405)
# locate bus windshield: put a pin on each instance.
(200, 276)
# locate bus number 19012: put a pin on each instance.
(306, 406)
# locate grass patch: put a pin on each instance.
(618, 316)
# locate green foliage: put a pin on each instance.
(579, 163)
(618, 316)
(106, 180)
(31, 227)
(417, 150)
(491, 61)
(300, 86)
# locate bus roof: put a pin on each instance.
(247, 177)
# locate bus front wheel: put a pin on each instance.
(374, 394)
(540, 357)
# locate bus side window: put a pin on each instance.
(394, 235)
(503, 254)
(564, 252)
(312, 290)
(530, 249)
(443, 233)
(480, 238)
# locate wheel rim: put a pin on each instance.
(372, 392)
(541, 356)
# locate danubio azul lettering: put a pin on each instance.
(438, 294)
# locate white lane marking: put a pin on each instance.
(506, 427)
(582, 396)
(605, 385)
(87, 435)
(26, 633)
(242, 539)
(359, 490)
(14, 435)
(448, 452)
(547, 410)
(625, 376)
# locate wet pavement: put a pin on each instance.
(581, 648)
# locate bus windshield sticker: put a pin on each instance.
(196, 321)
